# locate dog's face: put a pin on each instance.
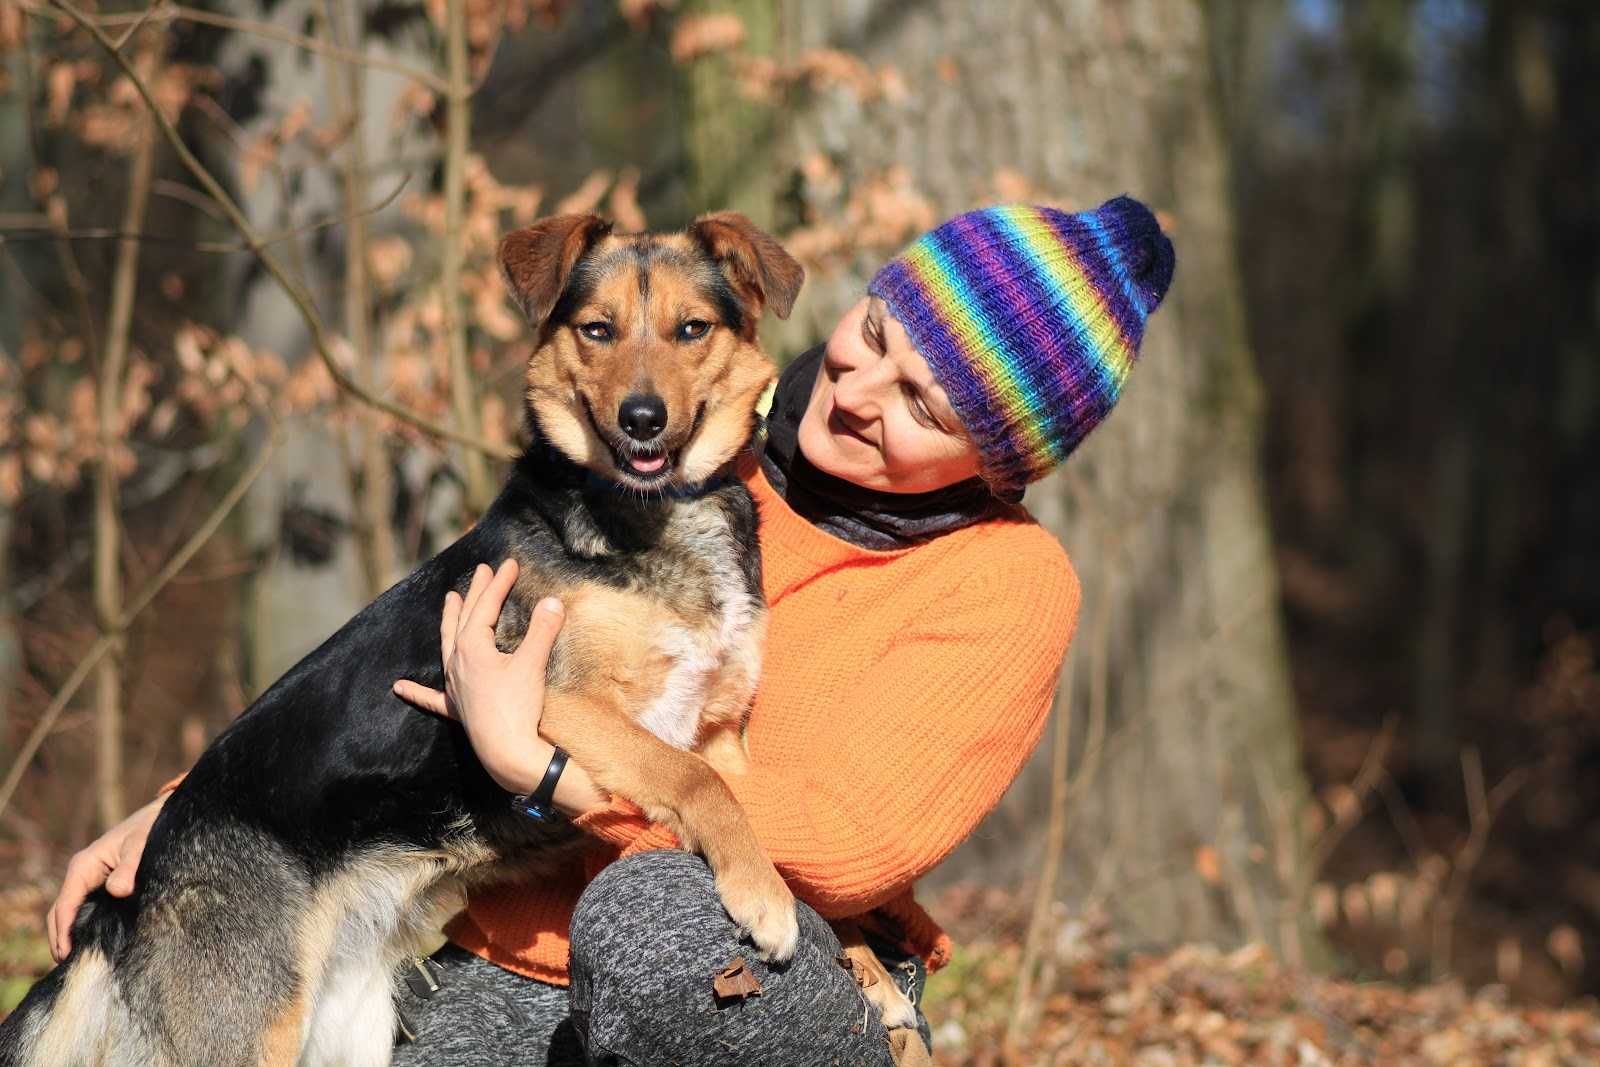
(647, 369)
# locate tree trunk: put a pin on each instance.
(1184, 819)
(292, 605)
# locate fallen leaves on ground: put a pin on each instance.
(1198, 1006)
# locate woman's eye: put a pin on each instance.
(919, 410)
(596, 331)
(693, 330)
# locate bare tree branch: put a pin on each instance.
(107, 526)
(136, 607)
(26, 225)
(179, 13)
(372, 478)
(302, 303)
(463, 397)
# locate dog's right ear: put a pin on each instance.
(537, 261)
(761, 270)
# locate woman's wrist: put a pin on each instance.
(576, 793)
(523, 770)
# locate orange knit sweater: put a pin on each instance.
(900, 694)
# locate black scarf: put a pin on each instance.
(868, 518)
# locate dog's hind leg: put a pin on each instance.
(214, 969)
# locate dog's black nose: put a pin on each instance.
(642, 417)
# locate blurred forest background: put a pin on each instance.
(1335, 691)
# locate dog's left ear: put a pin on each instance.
(764, 274)
(537, 261)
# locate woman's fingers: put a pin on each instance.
(120, 883)
(421, 696)
(480, 578)
(543, 629)
(50, 933)
(449, 623)
(85, 873)
(485, 612)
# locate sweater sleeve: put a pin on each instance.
(891, 783)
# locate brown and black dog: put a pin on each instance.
(330, 825)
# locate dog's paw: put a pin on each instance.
(763, 908)
(894, 1006)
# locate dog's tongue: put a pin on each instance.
(647, 464)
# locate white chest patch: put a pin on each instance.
(698, 653)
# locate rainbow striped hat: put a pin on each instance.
(1030, 318)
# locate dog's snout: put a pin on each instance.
(642, 417)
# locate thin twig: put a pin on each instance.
(107, 527)
(138, 23)
(26, 224)
(70, 270)
(1483, 806)
(179, 12)
(1024, 1010)
(136, 607)
(297, 296)
(372, 478)
(1372, 772)
(1055, 843)
(458, 116)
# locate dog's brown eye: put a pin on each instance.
(596, 331)
(693, 330)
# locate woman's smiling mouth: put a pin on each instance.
(839, 426)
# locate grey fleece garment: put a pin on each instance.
(648, 934)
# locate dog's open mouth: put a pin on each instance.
(644, 464)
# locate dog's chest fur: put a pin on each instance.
(663, 600)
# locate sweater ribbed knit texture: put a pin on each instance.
(900, 694)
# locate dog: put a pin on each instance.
(329, 827)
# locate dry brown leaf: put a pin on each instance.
(10, 478)
(638, 12)
(736, 981)
(10, 26)
(586, 197)
(60, 82)
(625, 207)
(701, 35)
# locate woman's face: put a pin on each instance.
(877, 417)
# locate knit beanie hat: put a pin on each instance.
(1029, 318)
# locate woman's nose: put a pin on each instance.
(859, 390)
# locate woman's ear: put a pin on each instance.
(537, 261)
(763, 274)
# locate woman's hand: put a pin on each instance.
(496, 697)
(112, 861)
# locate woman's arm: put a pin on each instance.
(111, 860)
(891, 782)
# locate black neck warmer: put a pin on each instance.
(868, 518)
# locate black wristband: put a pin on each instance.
(540, 804)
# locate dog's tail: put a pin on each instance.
(66, 1018)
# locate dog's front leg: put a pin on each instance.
(681, 791)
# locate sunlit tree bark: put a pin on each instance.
(1187, 788)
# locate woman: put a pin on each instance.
(918, 622)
